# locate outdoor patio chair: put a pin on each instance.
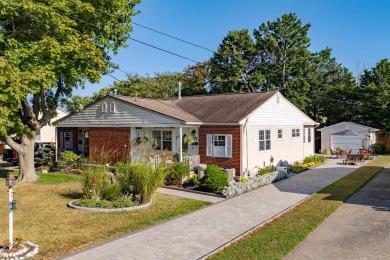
(333, 153)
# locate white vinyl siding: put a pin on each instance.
(219, 145)
(264, 140)
(125, 115)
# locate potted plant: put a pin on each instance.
(45, 169)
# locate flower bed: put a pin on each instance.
(27, 250)
(254, 183)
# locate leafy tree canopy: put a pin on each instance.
(48, 48)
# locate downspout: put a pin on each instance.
(245, 132)
(180, 144)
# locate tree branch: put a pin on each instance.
(11, 143)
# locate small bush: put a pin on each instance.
(95, 181)
(112, 192)
(379, 147)
(193, 180)
(68, 159)
(177, 173)
(266, 170)
(315, 158)
(214, 178)
(326, 151)
(139, 180)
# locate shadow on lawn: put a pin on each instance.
(72, 195)
(4, 172)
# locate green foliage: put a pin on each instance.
(214, 178)
(46, 50)
(379, 147)
(122, 202)
(192, 180)
(176, 156)
(94, 182)
(44, 155)
(326, 151)
(68, 159)
(112, 192)
(266, 170)
(314, 158)
(177, 173)
(139, 180)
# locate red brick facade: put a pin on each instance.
(111, 142)
(235, 131)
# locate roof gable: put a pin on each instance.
(345, 125)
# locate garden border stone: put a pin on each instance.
(194, 191)
(70, 205)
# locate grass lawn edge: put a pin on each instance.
(220, 253)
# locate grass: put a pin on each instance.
(277, 238)
(42, 215)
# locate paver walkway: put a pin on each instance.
(190, 195)
(359, 229)
(199, 233)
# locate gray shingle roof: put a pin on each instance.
(225, 108)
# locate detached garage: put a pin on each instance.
(348, 136)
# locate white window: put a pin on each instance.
(112, 107)
(264, 140)
(164, 140)
(104, 107)
(309, 135)
(296, 132)
(218, 145)
(304, 135)
(280, 134)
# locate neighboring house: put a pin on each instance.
(348, 136)
(241, 131)
(47, 134)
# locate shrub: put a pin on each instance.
(326, 151)
(315, 158)
(44, 155)
(214, 178)
(95, 181)
(266, 170)
(192, 180)
(139, 180)
(112, 192)
(379, 147)
(177, 173)
(68, 159)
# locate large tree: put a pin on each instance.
(48, 48)
(375, 94)
(283, 50)
(233, 66)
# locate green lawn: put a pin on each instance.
(277, 238)
(42, 215)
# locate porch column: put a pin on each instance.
(56, 142)
(180, 144)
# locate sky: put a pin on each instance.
(358, 31)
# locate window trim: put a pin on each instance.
(280, 129)
(294, 132)
(265, 140)
(309, 135)
(227, 147)
(104, 107)
(112, 107)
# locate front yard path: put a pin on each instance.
(199, 233)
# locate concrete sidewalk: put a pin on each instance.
(359, 229)
(200, 233)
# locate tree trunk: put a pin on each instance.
(26, 161)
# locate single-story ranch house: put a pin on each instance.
(348, 136)
(241, 131)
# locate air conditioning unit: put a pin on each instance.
(282, 169)
(230, 173)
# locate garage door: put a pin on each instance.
(347, 142)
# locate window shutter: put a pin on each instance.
(209, 145)
(228, 146)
